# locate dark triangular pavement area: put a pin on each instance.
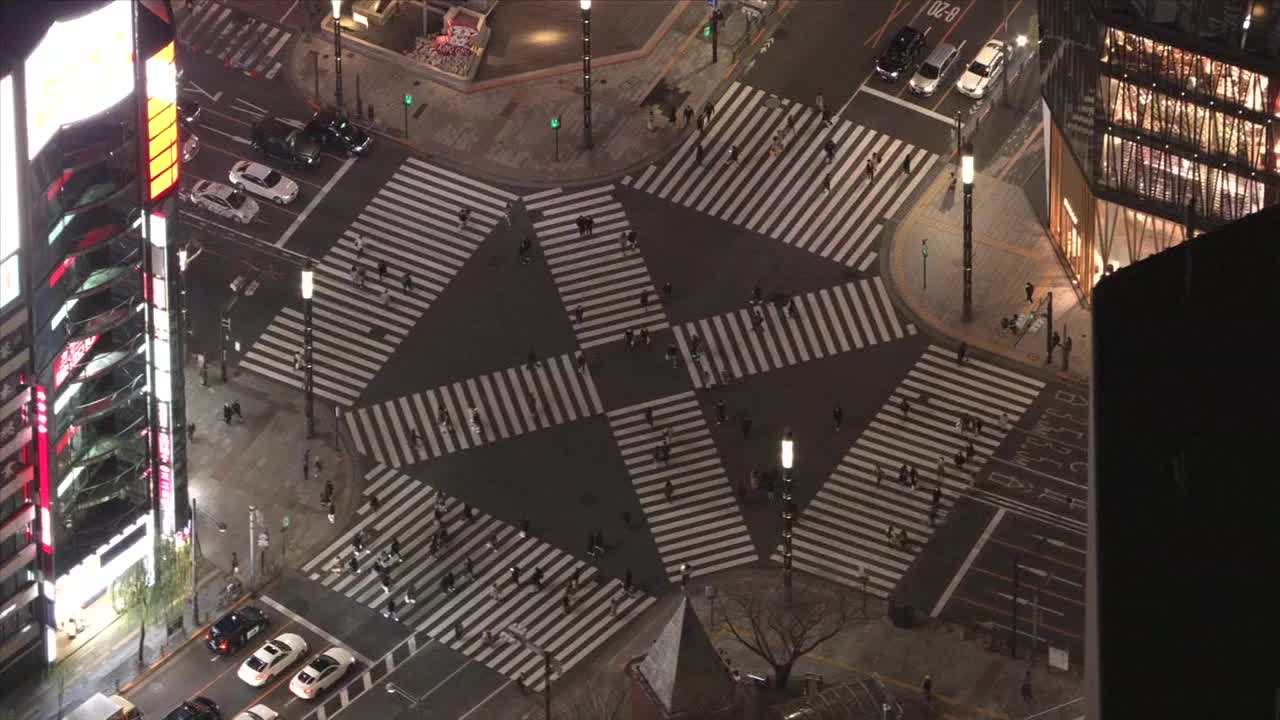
(713, 265)
(801, 398)
(487, 319)
(628, 376)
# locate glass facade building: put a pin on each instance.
(92, 471)
(1162, 117)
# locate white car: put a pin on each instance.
(321, 673)
(263, 181)
(190, 148)
(258, 712)
(984, 70)
(270, 659)
(222, 200)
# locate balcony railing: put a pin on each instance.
(103, 321)
(109, 403)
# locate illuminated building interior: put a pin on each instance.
(1160, 119)
(91, 474)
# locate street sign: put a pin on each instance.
(285, 523)
(264, 539)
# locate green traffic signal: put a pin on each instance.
(408, 99)
(706, 31)
(555, 123)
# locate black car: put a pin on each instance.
(235, 629)
(188, 111)
(903, 51)
(276, 139)
(335, 130)
(197, 708)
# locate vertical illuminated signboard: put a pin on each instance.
(161, 359)
(162, 123)
(10, 283)
(42, 457)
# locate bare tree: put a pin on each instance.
(57, 675)
(783, 626)
(141, 594)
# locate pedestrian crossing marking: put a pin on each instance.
(407, 511)
(595, 272)
(239, 40)
(700, 522)
(786, 197)
(412, 225)
(826, 322)
(840, 535)
(511, 402)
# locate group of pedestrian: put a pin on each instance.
(586, 226)
(359, 278)
(230, 410)
(639, 337)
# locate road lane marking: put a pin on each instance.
(968, 561)
(223, 133)
(288, 12)
(307, 624)
(192, 87)
(315, 201)
(255, 109)
(909, 105)
(481, 704)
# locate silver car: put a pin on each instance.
(263, 181)
(223, 201)
(985, 69)
(935, 68)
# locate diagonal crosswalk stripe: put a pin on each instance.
(486, 596)
(241, 41)
(753, 340)
(510, 402)
(412, 226)
(834, 208)
(594, 272)
(698, 521)
(841, 534)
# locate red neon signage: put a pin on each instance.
(60, 271)
(70, 357)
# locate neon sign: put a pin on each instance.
(42, 451)
(70, 357)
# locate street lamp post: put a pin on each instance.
(586, 72)
(966, 177)
(337, 53)
(195, 558)
(308, 332)
(788, 506)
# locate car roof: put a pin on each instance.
(907, 32)
(990, 50)
(209, 187)
(340, 654)
(248, 613)
(252, 168)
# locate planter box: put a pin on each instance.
(377, 12)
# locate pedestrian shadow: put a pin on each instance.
(948, 198)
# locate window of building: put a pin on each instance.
(1185, 69)
(1173, 180)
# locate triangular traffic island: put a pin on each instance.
(682, 675)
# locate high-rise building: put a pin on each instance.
(92, 419)
(1159, 116)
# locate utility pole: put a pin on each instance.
(1048, 336)
(966, 177)
(253, 541)
(585, 5)
(1013, 629)
(924, 261)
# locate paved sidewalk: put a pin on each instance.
(1011, 248)
(499, 129)
(254, 461)
(969, 681)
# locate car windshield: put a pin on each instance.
(235, 200)
(322, 663)
(256, 663)
(929, 72)
(901, 44)
(978, 69)
(272, 179)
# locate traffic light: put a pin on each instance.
(408, 100)
(706, 31)
(555, 123)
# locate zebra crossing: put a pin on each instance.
(510, 402)
(687, 501)
(412, 225)
(239, 40)
(835, 320)
(485, 599)
(595, 273)
(841, 535)
(784, 197)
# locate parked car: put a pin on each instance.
(276, 139)
(262, 181)
(321, 673)
(934, 69)
(189, 111)
(223, 201)
(267, 662)
(984, 70)
(335, 130)
(904, 49)
(197, 708)
(190, 147)
(238, 627)
(258, 712)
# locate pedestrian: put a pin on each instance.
(906, 164)
(409, 598)
(937, 471)
(709, 111)
(515, 575)
(464, 214)
(297, 360)
(905, 407)
(626, 519)
(667, 289)
(926, 689)
(235, 564)
(685, 573)
(384, 298)
(648, 416)
(578, 314)
(537, 578)
(382, 270)
(870, 170)
(648, 120)
(226, 413)
(829, 149)
(826, 183)
(695, 346)
(688, 116)
(961, 352)
(915, 477)
(630, 337)
(524, 528)
(458, 629)
(390, 611)
(1026, 687)
(567, 602)
(733, 154)
(506, 213)
(746, 426)
(644, 298)
(470, 566)
(879, 473)
(969, 450)
(580, 362)
(626, 582)
(327, 493)
(720, 412)
(591, 226)
(645, 338)
(699, 153)
(668, 490)
(613, 604)
(1030, 291)
(191, 427)
(888, 533)
(903, 476)
(757, 295)
(821, 102)
(838, 415)
(359, 245)
(937, 496)
(235, 408)
(329, 510)
(673, 355)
